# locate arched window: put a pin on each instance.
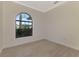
(23, 25)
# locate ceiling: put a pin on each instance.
(42, 6)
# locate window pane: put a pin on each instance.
(24, 23)
(17, 26)
(18, 17)
(30, 27)
(25, 17)
(29, 23)
(17, 22)
(28, 20)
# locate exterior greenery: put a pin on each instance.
(23, 32)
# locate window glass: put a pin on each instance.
(25, 17)
(23, 25)
(17, 17)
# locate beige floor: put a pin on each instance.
(42, 48)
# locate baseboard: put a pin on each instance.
(14, 45)
(61, 43)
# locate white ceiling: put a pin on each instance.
(42, 6)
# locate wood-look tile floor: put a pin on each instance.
(42, 48)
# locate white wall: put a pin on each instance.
(63, 24)
(10, 11)
(1, 30)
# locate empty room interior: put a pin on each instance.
(39, 28)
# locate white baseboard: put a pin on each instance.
(13, 45)
(61, 43)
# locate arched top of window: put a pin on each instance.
(23, 16)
